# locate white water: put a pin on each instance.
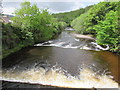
(63, 44)
(66, 40)
(87, 78)
(100, 47)
(56, 77)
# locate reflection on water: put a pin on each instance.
(112, 61)
(59, 63)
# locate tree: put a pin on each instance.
(108, 32)
(30, 25)
(68, 17)
(101, 21)
(78, 23)
(35, 24)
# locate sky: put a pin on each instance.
(55, 6)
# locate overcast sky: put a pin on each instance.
(55, 6)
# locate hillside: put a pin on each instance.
(102, 21)
(69, 16)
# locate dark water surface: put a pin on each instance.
(66, 54)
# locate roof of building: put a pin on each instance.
(5, 19)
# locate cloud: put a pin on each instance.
(9, 10)
(54, 7)
(54, 0)
(78, 5)
(57, 7)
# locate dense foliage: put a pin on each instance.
(30, 25)
(67, 17)
(78, 23)
(101, 21)
(108, 32)
(36, 25)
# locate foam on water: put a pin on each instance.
(57, 77)
(66, 40)
(58, 44)
(76, 39)
(87, 78)
(99, 47)
(62, 44)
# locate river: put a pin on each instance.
(63, 62)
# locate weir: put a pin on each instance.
(63, 62)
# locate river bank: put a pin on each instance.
(14, 40)
(83, 36)
(59, 62)
(91, 37)
(80, 36)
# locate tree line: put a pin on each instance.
(30, 25)
(102, 21)
(68, 17)
(33, 25)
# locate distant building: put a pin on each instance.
(5, 19)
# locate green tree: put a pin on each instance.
(67, 17)
(97, 13)
(94, 15)
(108, 32)
(78, 24)
(30, 25)
(35, 24)
(102, 21)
